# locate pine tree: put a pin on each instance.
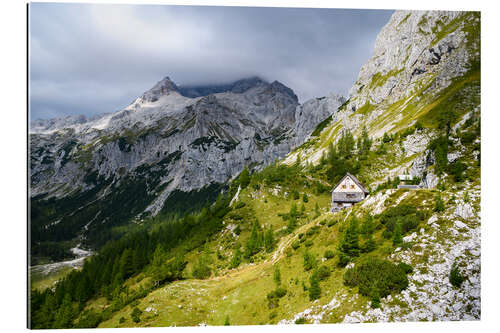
(158, 265)
(244, 178)
(64, 314)
(317, 212)
(292, 224)
(126, 264)
(236, 260)
(367, 227)
(314, 289)
(366, 141)
(350, 242)
(293, 210)
(253, 243)
(277, 276)
(269, 239)
(438, 203)
(397, 237)
(202, 269)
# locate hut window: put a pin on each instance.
(343, 186)
(352, 186)
(350, 195)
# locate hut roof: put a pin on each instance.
(355, 180)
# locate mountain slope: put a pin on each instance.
(271, 252)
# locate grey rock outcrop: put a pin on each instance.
(312, 112)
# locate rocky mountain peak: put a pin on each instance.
(163, 87)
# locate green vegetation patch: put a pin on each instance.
(376, 277)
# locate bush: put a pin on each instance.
(239, 205)
(314, 289)
(305, 198)
(405, 268)
(456, 278)
(308, 243)
(296, 245)
(331, 223)
(312, 231)
(438, 203)
(323, 272)
(457, 169)
(329, 254)
(375, 301)
(376, 276)
(135, 315)
(369, 245)
(343, 259)
(274, 296)
(300, 321)
(309, 261)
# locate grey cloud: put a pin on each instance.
(89, 59)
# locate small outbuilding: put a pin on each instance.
(347, 192)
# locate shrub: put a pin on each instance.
(309, 260)
(331, 223)
(405, 267)
(456, 278)
(274, 296)
(305, 198)
(457, 169)
(343, 259)
(369, 245)
(296, 245)
(300, 321)
(226, 322)
(376, 276)
(239, 205)
(397, 237)
(323, 272)
(135, 315)
(296, 195)
(438, 203)
(329, 254)
(314, 289)
(375, 301)
(308, 243)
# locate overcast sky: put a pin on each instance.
(91, 59)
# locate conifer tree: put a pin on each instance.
(314, 289)
(64, 314)
(269, 239)
(397, 237)
(277, 275)
(350, 242)
(244, 178)
(236, 260)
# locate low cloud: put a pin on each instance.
(90, 59)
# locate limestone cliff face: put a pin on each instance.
(422, 61)
(415, 47)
